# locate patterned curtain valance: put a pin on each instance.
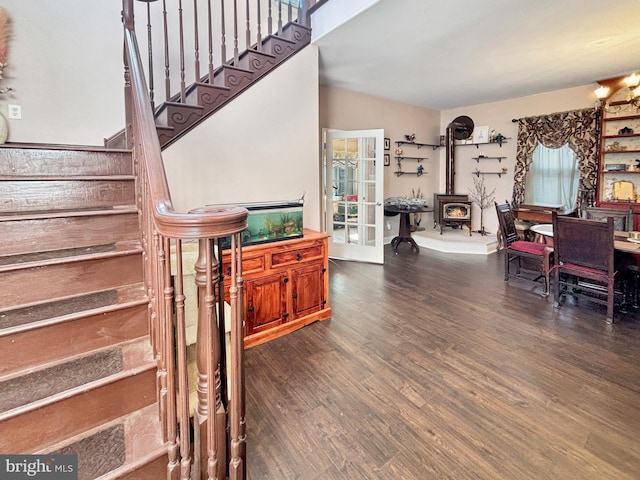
(578, 128)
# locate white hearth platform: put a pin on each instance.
(455, 240)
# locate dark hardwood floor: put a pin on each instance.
(432, 367)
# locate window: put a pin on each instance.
(553, 177)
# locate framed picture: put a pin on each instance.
(387, 144)
(387, 160)
(481, 134)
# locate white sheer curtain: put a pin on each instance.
(553, 177)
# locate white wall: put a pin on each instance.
(65, 66)
(263, 146)
(498, 115)
(334, 14)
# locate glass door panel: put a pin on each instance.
(353, 192)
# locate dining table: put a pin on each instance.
(404, 233)
(621, 241)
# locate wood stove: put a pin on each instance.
(451, 211)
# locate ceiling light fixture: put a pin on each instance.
(632, 82)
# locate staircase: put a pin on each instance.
(82, 303)
(78, 373)
(208, 94)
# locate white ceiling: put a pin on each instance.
(444, 54)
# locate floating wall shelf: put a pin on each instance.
(419, 171)
(419, 145)
(477, 145)
(477, 174)
(484, 157)
(419, 159)
(400, 172)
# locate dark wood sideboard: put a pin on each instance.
(286, 285)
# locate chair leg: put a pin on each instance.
(556, 289)
(546, 265)
(506, 265)
(610, 301)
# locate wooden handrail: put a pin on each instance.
(164, 230)
(217, 423)
(205, 222)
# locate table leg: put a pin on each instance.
(404, 235)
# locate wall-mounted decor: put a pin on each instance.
(481, 134)
(387, 144)
(387, 160)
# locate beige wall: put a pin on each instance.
(65, 66)
(345, 110)
(264, 146)
(498, 115)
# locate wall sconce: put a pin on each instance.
(633, 99)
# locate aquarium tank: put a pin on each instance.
(271, 222)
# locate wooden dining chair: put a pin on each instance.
(622, 219)
(538, 255)
(584, 261)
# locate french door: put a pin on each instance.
(353, 190)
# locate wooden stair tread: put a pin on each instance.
(56, 257)
(57, 178)
(96, 384)
(35, 215)
(40, 384)
(27, 317)
(142, 443)
(43, 423)
(56, 146)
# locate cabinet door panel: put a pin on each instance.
(266, 303)
(307, 284)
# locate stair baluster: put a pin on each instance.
(236, 53)
(196, 43)
(210, 39)
(165, 38)
(223, 35)
(150, 50)
(247, 42)
(183, 87)
(259, 27)
(279, 17)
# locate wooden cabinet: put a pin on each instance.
(619, 156)
(286, 286)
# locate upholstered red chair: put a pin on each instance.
(584, 262)
(538, 255)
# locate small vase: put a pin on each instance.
(4, 129)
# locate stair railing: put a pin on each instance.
(219, 418)
(196, 26)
